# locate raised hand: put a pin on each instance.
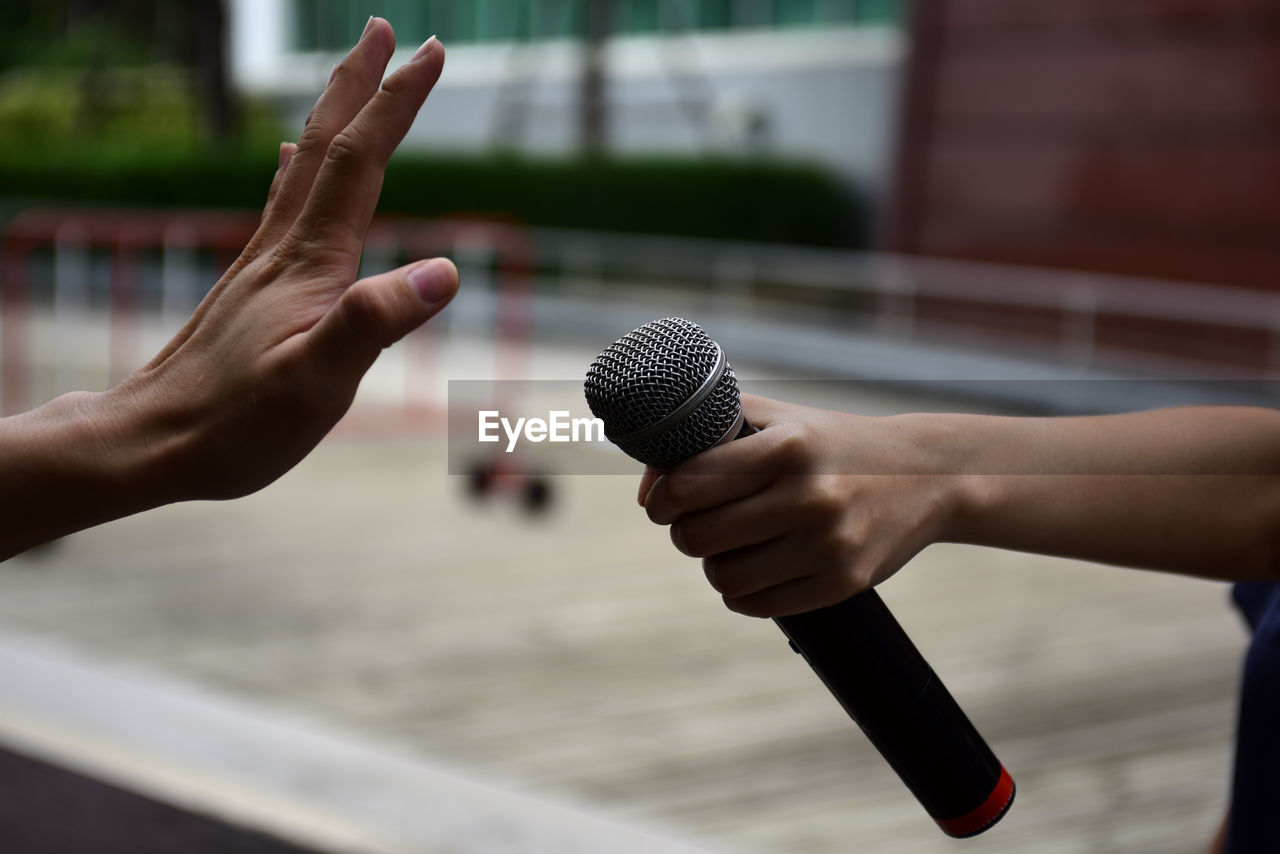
(271, 358)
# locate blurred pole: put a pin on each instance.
(71, 274)
(592, 117)
(179, 275)
(685, 69)
(217, 107)
(515, 93)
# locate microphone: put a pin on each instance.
(665, 393)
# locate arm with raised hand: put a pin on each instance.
(271, 358)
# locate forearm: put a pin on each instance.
(70, 464)
(1193, 490)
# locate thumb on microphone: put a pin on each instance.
(758, 411)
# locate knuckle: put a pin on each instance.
(791, 448)
(395, 82)
(304, 254)
(824, 499)
(347, 148)
(724, 580)
(668, 498)
(341, 71)
(363, 303)
(747, 606)
(369, 311)
(693, 539)
(680, 487)
(656, 510)
(294, 382)
(401, 90)
(314, 134)
(678, 539)
(840, 546)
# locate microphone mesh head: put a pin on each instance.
(646, 375)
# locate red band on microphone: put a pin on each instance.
(991, 810)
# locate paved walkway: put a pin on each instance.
(578, 657)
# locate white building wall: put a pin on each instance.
(825, 94)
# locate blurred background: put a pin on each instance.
(962, 204)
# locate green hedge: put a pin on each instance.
(717, 198)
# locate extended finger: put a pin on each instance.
(286, 154)
(797, 596)
(354, 81)
(342, 201)
(287, 150)
(760, 412)
(681, 491)
(725, 473)
(755, 519)
(751, 569)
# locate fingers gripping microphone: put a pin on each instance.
(666, 393)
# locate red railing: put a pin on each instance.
(171, 241)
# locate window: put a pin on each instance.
(333, 25)
(793, 13)
(501, 20)
(637, 16)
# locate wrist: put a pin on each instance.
(134, 454)
(949, 450)
(68, 466)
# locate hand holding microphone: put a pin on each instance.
(772, 520)
(775, 545)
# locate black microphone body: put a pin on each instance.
(870, 665)
(856, 647)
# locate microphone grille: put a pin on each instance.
(649, 373)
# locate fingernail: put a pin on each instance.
(426, 48)
(433, 280)
(286, 154)
(334, 71)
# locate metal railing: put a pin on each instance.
(136, 274)
(1082, 319)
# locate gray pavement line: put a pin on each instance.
(184, 787)
(263, 769)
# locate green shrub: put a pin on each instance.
(715, 198)
(98, 111)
